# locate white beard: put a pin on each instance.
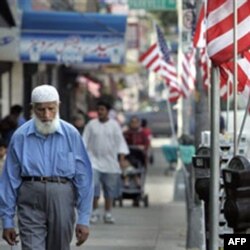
(46, 128)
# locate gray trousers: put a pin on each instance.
(46, 215)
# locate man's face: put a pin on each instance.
(134, 123)
(102, 112)
(46, 117)
(46, 112)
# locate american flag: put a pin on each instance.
(199, 38)
(151, 58)
(168, 68)
(188, 74)
(220, 26)
(163, 45)
(199, 42)
(157, 58)
(226, 83)
(243, 67)
(217, 25)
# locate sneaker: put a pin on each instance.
(94, 218)
(108, 218)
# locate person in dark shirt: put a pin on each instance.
(136, 138)
(11, 122)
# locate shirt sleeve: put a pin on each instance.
(10, 181)
(83, 182)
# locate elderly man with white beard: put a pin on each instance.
(47, 174)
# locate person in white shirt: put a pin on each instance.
(107, 148)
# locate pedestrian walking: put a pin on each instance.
(47, 173)
(104, 143)
(11, 122)
(78, 122)
(136, 138)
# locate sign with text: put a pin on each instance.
(72, 38)
(152, 4)
(236, 241)
(65, 48)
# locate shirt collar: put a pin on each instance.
(32, 129)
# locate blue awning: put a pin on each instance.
(73, 21)
(71, 37)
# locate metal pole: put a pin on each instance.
(214, 164)
(179, 61)
(244, 121)
(235, 75)
(171, 121)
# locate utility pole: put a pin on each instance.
(195, 234)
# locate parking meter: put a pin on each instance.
(237, 188)
(201, 163)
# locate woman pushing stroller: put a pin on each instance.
(138, 143)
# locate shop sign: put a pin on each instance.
(152, 4)
(72, 49)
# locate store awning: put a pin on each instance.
(70, 37)
(74, 22)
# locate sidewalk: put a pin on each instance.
(161, 226)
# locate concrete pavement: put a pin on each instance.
(161, 226)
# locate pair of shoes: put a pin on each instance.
(94, 218)
(108, 218)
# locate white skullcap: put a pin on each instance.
(44, 93)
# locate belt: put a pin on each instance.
(45, 179)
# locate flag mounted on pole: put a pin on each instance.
(220, 26)
(214, 36)
(157, 59)
(151, 58)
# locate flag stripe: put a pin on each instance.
(223, 45)
(199, 40)
(220, 25)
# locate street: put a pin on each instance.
(160, 226)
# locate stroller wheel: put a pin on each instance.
(136, 202)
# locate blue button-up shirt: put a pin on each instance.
(59, 154)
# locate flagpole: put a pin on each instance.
(179, 61)
(235, 74)
(172, 122)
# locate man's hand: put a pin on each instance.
(10, 235)
(82, 234)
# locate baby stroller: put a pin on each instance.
(133, 179)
